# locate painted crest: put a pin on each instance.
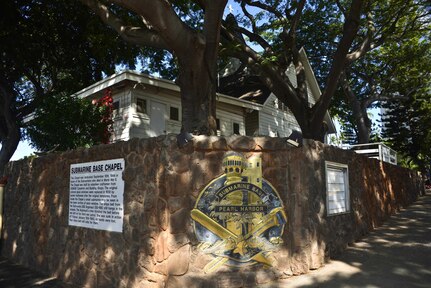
(239, 217)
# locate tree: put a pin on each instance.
(390, 26)
(81, 123)
(48, 47)
(274, 27)
(407, 121)
(338, 37)
(190, 31)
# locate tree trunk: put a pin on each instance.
(362, 121)
(10, 134)
(198, 96)
(9, 145)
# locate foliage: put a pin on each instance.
(271, 32)
(62, 122)
(267, 37)
(49, 49)
(407, 122)
(177, 32)
(389, 26)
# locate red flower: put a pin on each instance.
(106, 101)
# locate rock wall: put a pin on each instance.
(158, 247)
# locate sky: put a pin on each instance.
(23, 150)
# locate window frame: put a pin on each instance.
(116, 108)
(178, 113)
(344, 168)
(233, 128)
(146, 106)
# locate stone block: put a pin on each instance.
(180, 162)
(230, 280)
(161, 268)
(241, 143)
(177, 184)
(179, 221)
(175, 203)
(163, 215)
(175, 241)
(161, 249)
(149, 246)
(265, 276)
(219, 143)
(202, 142)
(178, 262)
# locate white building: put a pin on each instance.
(146, 106)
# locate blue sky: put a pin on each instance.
(23, 150)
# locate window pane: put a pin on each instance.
(141, 106)
(235, 128)
(115, 105)
(337, 188)
(174, 114)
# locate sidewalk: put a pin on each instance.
(17, 276)
(397, 254)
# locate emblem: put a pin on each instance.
(239, 217)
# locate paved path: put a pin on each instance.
(397, 254)
(17, 276)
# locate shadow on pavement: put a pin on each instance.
(17, 276)
(396, 254)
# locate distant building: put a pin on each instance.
(375, 150)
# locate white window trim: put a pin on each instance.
(345, 169)
(116, 112)
(135, 107)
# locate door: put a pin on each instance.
(157, 119)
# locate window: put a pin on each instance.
(174, 113)
(337, 188)
(235, 128)
(218, 123)
(141, 106)
(116, 105)
(115, 108)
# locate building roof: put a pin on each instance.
(251, 99)
(242, 85)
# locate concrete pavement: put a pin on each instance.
(397, 254)
(16, 276)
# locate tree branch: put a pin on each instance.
(131, 34)
(265, 7)
(350, 30)
(269, 75)
(366, 44)
(341, 8)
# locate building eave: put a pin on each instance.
(142, 79)
(315, 89)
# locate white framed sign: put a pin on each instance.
(96, 195)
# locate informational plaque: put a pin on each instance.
(96, 195)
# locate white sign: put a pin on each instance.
(96, 195)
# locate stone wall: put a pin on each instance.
(158, 247)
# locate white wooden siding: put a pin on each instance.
(130, 124)
(228, 115)
(275, 122)
(292, 77)
(121, 117)
(140, 126)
